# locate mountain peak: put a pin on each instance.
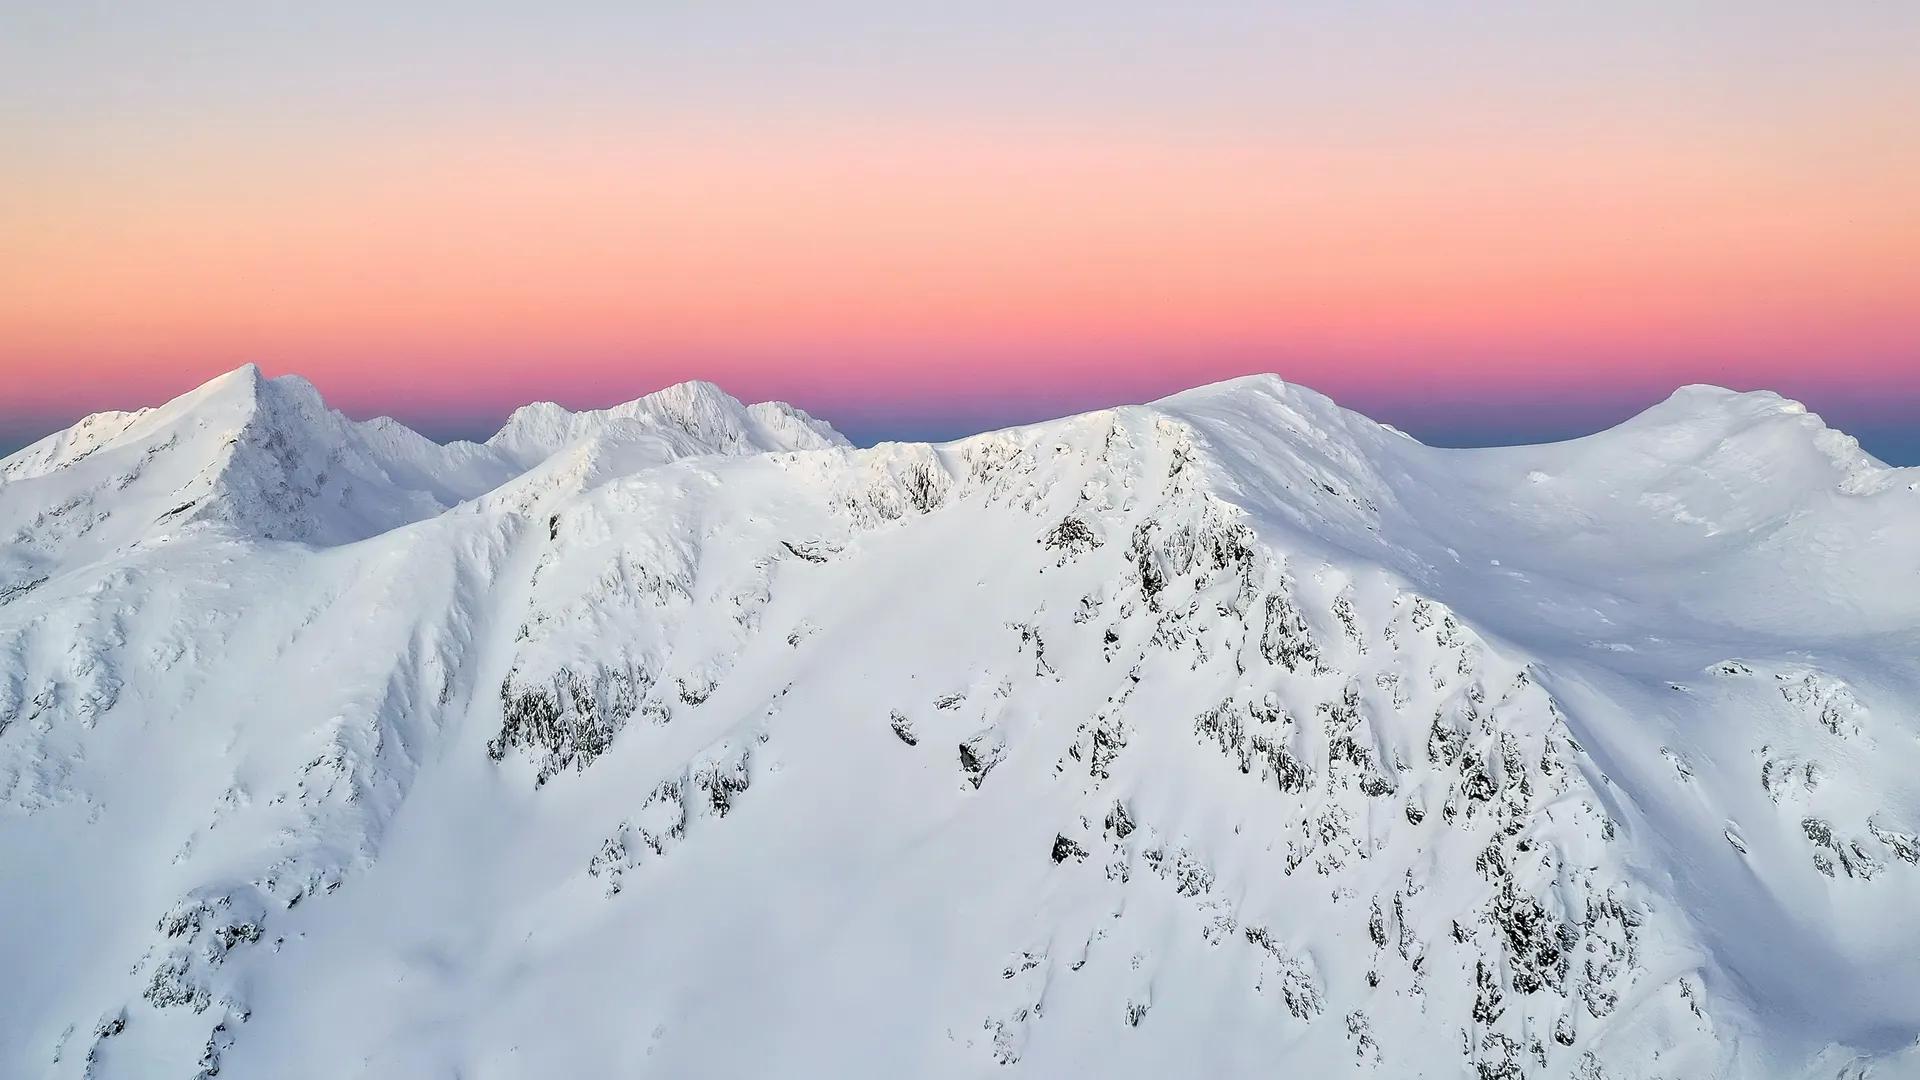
(1249, 733)
(695, 391)
(1749, 433)
(1262, 382)
(696, 415)
(248, 388)
(265, 458)
(246, 375)
(236, 389)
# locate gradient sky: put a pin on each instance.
(1483, 222)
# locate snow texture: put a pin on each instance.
(1229, 735)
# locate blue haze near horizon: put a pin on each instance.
(1896, 443)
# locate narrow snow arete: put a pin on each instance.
(1234, 734)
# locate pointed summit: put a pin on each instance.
(263, 458)
(266, 458)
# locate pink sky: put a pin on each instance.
(1519, 242)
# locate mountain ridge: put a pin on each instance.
(1227, 731)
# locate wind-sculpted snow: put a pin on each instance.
(1229, 735)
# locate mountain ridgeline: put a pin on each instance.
(1233, 734)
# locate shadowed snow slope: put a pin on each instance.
(1229, 735)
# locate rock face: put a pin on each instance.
(1228, 735)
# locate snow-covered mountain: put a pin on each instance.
(1233, 735)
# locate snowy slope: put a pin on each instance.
(1232, 734)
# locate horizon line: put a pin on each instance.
(871, 426)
